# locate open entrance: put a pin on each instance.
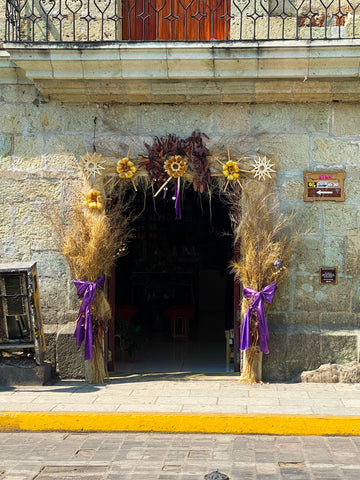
(173, 290)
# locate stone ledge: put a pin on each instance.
(188, 72)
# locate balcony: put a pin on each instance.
(186, 51)
(57, 21)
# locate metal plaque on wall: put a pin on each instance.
(324, 186)
(328, 275)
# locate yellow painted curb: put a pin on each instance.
(180, 422)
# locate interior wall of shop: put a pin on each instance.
(40, 143)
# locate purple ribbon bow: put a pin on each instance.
(257, 304)
(83, 329)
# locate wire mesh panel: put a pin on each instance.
(20, 311)
(179, 20)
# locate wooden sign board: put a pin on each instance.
(328, 275)
(324, 186)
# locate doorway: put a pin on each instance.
(173, 293)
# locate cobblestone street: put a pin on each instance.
(154, 456)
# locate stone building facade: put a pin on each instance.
(298, 105)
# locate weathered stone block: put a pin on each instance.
(50, 117)
(5, 162)
(292, 189)
(23, 372)
(19, 93)
(231, 119)
(62, 165)
(290, 152)
(338, 320)
(81, 118)
(354, 297)
(335, 252)
(65, 144)
(177, 119)
(5, 144)
(337, 347)
(339, 217)
(21, 161)
(50, 264)
(306, 321)
(346, 117)
(308, 254)
(274, 367)
(332, 373)
(282, 299)
(303, 349)
(352, 252)
(70, 358)
(279, 118)
(311, 117)
(330, 152)
(12, 118)
(311, 296)
(28, 148)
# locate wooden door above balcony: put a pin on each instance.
(192, 72)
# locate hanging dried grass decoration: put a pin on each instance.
(266, 248)
(94, 200)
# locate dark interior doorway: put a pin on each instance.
(174, 288)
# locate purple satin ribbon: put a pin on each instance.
(177, 200)
(83, 329)
(257, 304)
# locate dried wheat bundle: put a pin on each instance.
(90, 240)
(266, 246)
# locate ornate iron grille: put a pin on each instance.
(41, 21)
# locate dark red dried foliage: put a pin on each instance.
(192, 147)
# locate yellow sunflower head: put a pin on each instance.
(125, 168)
(175, 166)
(93, 200)
(231, 170)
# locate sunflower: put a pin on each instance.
(93, 200)
(231, 170)
(125, 168)
(175, 166)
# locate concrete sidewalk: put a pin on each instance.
(183, 403)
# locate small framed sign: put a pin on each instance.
(328, 275)
(324, 186)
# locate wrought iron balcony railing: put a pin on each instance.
(40, 21)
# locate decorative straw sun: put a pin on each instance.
(92, 164)
(175, 166)
(126, 169)
(262, 168)
(93, 200)
(231, 170)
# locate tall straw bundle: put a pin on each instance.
(265, 246)
(90, 240)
